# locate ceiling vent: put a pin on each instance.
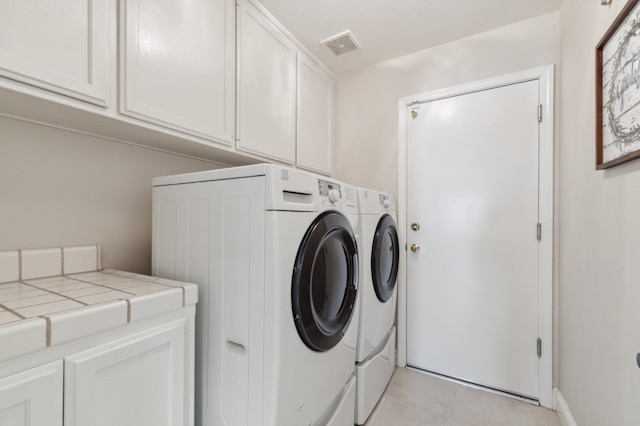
(341, 43)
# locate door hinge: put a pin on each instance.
(539, 113)
(539, 231)
(539, 347)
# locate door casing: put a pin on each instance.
(545, 76)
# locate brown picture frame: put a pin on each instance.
(618, 90)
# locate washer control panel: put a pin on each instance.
(385, 201)
(330, 189)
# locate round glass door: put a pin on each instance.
(385, 255)
(324, 284)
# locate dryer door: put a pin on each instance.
(324, 284)
(385, 255)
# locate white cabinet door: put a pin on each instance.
(314, 117)
(178, 65)
(135, 381)
(61, 46)
(33, 397)
(266, 88)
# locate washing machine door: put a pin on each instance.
(385, 255)
(325, 280)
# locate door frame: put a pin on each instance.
(545, 76)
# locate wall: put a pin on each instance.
(599, 245)
(59, 188)
(365, 150)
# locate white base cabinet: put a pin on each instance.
(136, 381)
(141, 374)
(32, 397)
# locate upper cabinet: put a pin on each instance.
(314, 117)
(178, 65)
(266, 87)
(63, 47)
(210, 79)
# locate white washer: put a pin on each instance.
(274, 253)
(379, 260)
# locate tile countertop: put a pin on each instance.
(36, 313)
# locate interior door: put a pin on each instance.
(472, 260)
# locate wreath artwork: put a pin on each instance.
(618, 76)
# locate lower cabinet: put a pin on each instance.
(140, 376)
(136, 381)
(32, 397)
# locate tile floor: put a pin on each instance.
(413, 398)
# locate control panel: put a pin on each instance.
(385, 201)
(330, 189)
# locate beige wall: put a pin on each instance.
(599, 232)
(365, 151)
(61, 188)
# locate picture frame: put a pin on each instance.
(618, 90)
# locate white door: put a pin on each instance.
(472, 281)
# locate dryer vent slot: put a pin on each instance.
(236, 347)
(297, 197)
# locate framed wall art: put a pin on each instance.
(618, 90)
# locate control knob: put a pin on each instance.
(334, 195)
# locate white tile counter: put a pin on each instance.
(59, 305)
(57, 309)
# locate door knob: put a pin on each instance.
(415, 226)
(415, 248)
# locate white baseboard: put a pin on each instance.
(561, 407)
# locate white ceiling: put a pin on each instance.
(388, 29)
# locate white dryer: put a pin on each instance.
(274, 253)
(379, 259)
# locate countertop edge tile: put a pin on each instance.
(190, 294)
(81, 322)
(50, 325)
(152, 304)
(22, 337)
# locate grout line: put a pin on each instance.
(19, 265)
(128, 310)
(6, 308)
(52, 292)
(62, 260)
(48, 321)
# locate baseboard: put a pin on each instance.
(561, 407)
